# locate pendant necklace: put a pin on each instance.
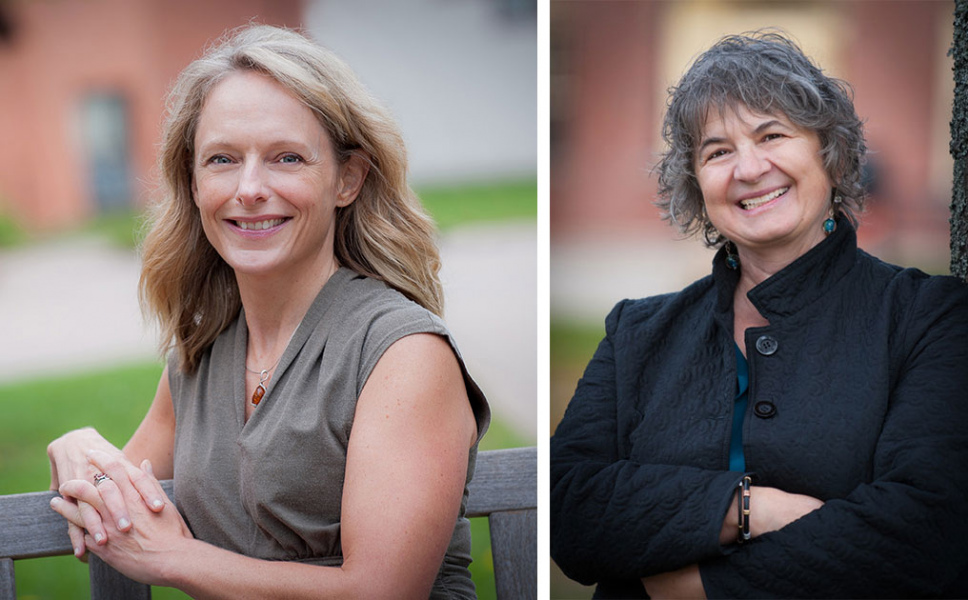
(260, 390)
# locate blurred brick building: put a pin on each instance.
(612, 63)
(82, 88)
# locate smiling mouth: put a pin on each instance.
(751, 203)
(258, 225)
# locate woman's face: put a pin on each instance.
(763, 181)
(266, 179)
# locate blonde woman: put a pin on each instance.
(315, 414)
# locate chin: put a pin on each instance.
(247, 264)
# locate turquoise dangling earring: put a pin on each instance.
(732, 260)
(830, 225)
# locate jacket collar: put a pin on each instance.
(799, 284)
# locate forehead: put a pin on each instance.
(719, 117)
(247, 103)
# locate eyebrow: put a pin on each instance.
(758, 130)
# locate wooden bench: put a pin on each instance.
(504, 490)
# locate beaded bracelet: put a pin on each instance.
(743, 506)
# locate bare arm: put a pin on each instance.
(155, 437)
(405, 471)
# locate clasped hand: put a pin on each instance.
(771, 510)
(127, 520)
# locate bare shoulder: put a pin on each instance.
(417, 384)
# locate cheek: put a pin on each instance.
(712, 185)
(305, 190)
(211, 191)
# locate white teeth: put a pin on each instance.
(754, 202)
(258, 225)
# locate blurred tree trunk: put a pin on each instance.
(959, 145)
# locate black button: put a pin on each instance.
(766, 345)
(764, 409)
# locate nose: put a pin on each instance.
(751, 163)
(252, 184)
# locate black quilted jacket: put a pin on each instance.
(858, 396)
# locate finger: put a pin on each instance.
(75, 525)
(54, 480)
(77, 540)
(114, 504)
(135, 484)
(67, 509)
(118, 468)
(89, 505)
(82, 490)
(150, 488)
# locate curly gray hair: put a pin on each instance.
(767, 73)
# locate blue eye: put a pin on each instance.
(219, 159)
(291, 159)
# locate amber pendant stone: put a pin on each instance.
(257, 395)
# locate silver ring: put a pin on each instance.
(99, 477)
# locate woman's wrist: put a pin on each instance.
(744, 493)
(729, 532)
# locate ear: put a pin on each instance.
(352, 174)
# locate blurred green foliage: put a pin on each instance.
(11, 233)
(572, 342)
(120, 227)
(115, 400)
(482, 202)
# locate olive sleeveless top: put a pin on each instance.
(271, 488)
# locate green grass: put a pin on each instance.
(115, 400)
(11, 233)
(571, 346)
(572, 342)
(121, 227)
(476, 203)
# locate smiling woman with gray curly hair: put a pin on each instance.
(795, 424)
(767, 74)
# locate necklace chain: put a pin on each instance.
(263, 374)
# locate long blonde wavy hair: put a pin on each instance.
(384, 234)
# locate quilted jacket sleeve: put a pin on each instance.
(905, 534)
(614, 519)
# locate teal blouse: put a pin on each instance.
(737, 462)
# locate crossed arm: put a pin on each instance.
(670, 526)
(406, 462)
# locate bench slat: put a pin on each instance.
(8, 585)
(504, 488)
(31, 528)
(108, 584)
(504, 480)
(515, 554)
